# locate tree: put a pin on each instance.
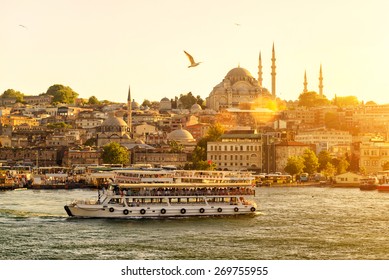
(187, 100)
(59, 125)
(93, 100)
(311, 162)
(11, 93)
(294, 165)
(329, 170)
(146, 103)
(345, 101)
(62, 94)
(200, 101)
(331, 120)
(91, 142)
(312, 99)
(342, 166)
(176, 147)
(199, 154)
(324, 157)
(214, 132)
(114, 153)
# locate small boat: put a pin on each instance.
(383, 187)
(368, 183)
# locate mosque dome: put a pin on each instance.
(113, 121)
(165, 99)
(180, 135)
(195, 108)
(135, 105)
(239, 73)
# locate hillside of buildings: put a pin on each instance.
(264, 135)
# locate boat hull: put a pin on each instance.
(383, 188)
(158, 212)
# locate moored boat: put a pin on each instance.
(167, 200)
(383, 187)
(368, 183)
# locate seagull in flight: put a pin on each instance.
(193, 63)
(21, 25)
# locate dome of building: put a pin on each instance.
(112, 120)
(180, 135)
(135, 105)
(195, 108)
(165, 99)
(239, 73)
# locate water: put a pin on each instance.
(295, 223)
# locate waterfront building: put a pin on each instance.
(373, 155)
(237, 150)
(348, 179)
(286, 149)
(85, 155)
(324, 136)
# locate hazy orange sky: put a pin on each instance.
(101, 47)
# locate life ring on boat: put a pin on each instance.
(163, 211)
(125, 212)
(202, 210)
(219, 209)
(142, 211)
(111, 209)
(252, 209)
(183, 211)
(236, 209)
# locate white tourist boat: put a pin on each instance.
(156, 200)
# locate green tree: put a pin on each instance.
(175, 147)
(59, 125)
(187, 100)
(342, 165)
(311, 162)
(312, 99)
(147, 103)
(93, 100)
(345, 101)
(200, 101)
(199, 154)
(62, 94)
(91, 142)
(294, 165)
(11, 93)
(214, 132)
(324, 157)
(329, 170)
(114, 153)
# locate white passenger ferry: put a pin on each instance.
(155, 200)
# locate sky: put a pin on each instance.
(101, 48)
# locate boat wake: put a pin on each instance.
(27, 214)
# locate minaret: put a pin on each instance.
(273, 73)
(129, 111)
(260, 70)
(321, 82)
(305, 82)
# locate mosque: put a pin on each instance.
(239, 86)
